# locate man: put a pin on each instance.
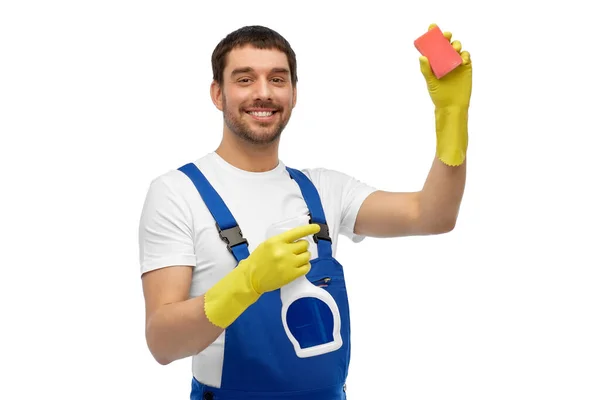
(210, 274)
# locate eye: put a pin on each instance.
(244, 80)
(278, 80)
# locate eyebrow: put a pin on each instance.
(245, 70)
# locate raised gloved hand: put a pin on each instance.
(274, 263)
(451, 97)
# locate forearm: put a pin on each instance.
(444, 187)
(441, 196)
(180, 330)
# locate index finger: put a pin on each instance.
(299, 232)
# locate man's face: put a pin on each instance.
(257, 96)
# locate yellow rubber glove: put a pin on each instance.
(274, 263)
(451, 96)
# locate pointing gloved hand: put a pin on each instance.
(451, 97)
(274, 263)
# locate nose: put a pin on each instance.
(262, 89)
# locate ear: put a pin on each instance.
(216, 95)
(294, 97)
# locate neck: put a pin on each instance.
(250, 157)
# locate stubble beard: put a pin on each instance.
(241, 129)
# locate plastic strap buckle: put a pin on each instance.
(232, 236)
(323, 234)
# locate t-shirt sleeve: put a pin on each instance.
(349, 191)
(354, 193)
(165, 229)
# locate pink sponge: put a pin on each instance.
(442, 57)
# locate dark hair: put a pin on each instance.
(257, 36)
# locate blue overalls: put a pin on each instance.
(259, 360)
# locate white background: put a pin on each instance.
(98, 98)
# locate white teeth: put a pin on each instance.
(261, 113)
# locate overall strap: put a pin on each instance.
(227, 226)
(315, 209)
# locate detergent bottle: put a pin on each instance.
(300, 297)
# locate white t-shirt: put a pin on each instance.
(176, 227)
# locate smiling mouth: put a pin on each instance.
(261, 114)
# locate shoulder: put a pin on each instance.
(173, 189)
(339, 187)
(174, 181)
(171, 184)
(327, 179)
(321, 175)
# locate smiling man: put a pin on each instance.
(271, 114)
(211, 275)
